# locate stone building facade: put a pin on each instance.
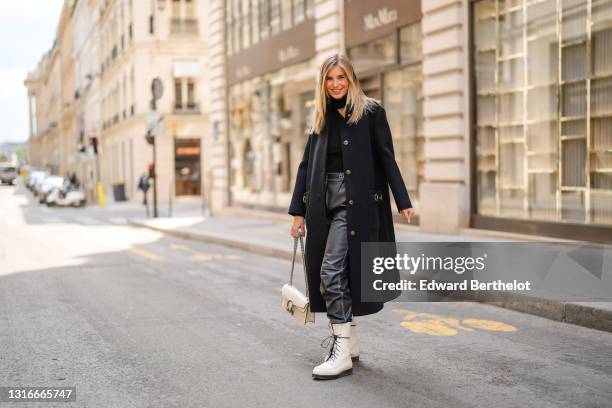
(500, 110)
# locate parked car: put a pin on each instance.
(69, 194)
(38, 181)
(8, 174)
(46, 185)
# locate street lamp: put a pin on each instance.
(154, 128)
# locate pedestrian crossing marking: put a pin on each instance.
(145, 254)
(436, 325)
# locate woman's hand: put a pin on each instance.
(407, 213)
(298, 222)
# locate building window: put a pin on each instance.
(255, 22)
(286, 15)
(184, 18)
(178, 94)
(299, 11)
(184, 96)
(33, 117)
(245, 23)
(250, 21)
(543, 80)
(275, 16)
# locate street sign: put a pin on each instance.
(157, 88)
(159, 128)
(152, 118)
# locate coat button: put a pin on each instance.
(351, 202)
(346, 142)
(347, 172)
(353, 233)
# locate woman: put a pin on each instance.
(341, 192)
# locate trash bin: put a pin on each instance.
(119, 191)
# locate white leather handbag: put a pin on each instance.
(293, 300)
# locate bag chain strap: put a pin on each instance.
(295, 243)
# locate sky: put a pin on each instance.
(27, 31)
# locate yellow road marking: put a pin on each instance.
(436, 325)
(179, 247)
(210, 257)
(490, 325)
(203, 256)
(146, 254)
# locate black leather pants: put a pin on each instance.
(335, 287)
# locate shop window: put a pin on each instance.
(248, 167)
(410, 44)
(187, 167)
(403, 101)
(543, 75)
(375, 54)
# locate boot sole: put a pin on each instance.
(332, 377)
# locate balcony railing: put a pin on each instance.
(184, 26)
(186, 108)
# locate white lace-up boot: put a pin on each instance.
(354, 343)
(338, 361)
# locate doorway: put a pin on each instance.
(187, 174)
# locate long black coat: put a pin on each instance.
(369, 168)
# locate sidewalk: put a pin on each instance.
(267, 233)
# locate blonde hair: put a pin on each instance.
(355, 97)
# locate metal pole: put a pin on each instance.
(170, 199)
(155, 215)
(146, 202)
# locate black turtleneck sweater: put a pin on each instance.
(335, 122)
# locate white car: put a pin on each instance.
(46, 185)
(34, 177)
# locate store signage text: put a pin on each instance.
(291, 46)
(383, 17)
(243, 71)
(188, 151)
(288, 53)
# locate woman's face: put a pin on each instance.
(336, 83)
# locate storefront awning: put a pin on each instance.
(186, 69)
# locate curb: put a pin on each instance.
(566, 312)
(249, 247)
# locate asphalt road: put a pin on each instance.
(135, 319)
